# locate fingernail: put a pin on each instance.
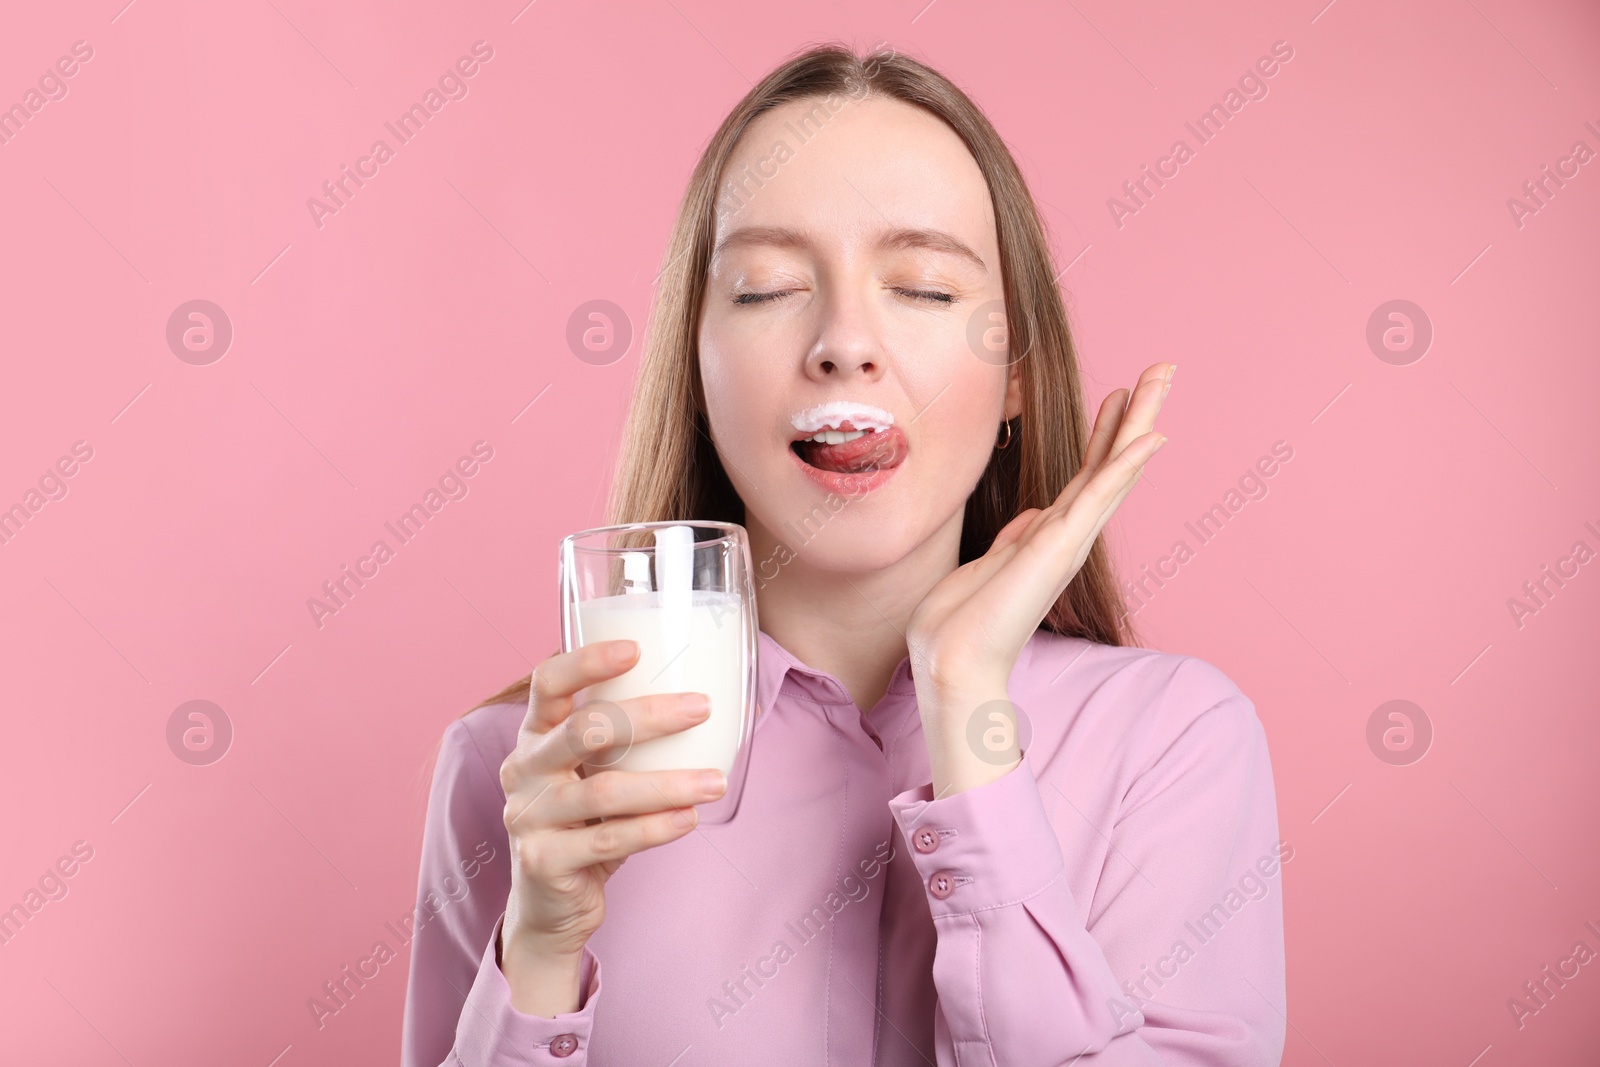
(1171, 370)
(696, 703)
(1165, 389)
(620, 653)
(686, 817)
(710, 781)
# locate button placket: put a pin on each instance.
(564, 1045)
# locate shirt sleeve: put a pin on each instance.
(458, 1009)
(492, 1033)
(1023, 979)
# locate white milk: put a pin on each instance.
(691, 645)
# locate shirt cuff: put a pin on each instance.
(493, 1033)
(985, 847)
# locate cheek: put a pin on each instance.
(737, 396)
(970, 391)
(959, 429)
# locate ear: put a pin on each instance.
(1014, 390)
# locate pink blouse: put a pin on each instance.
(1110, 897)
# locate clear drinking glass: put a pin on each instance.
(683, 591)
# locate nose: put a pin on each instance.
(849, 344)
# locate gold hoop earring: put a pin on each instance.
(1007, 443)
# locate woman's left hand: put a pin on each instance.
(965, 635)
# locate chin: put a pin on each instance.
(841, 534)
(864, 553)
(856, 539)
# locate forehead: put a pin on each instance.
(842, 169)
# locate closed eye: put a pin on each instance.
(759, 298)
(925, 295)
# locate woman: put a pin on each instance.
(857, 253)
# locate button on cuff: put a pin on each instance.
(996, 840)
(943, 883)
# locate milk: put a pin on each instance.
(689, 642)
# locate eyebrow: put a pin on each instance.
(894, 240)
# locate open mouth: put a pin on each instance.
(853, 451)
(851, 463)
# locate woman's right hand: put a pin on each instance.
(562, 852)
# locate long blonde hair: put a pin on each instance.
(677, 475)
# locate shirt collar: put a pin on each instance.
(774, 663)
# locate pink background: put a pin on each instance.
(432, 310)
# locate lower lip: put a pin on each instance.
(851, 485)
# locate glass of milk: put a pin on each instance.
(683, 591)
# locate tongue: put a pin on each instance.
(869, 452)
